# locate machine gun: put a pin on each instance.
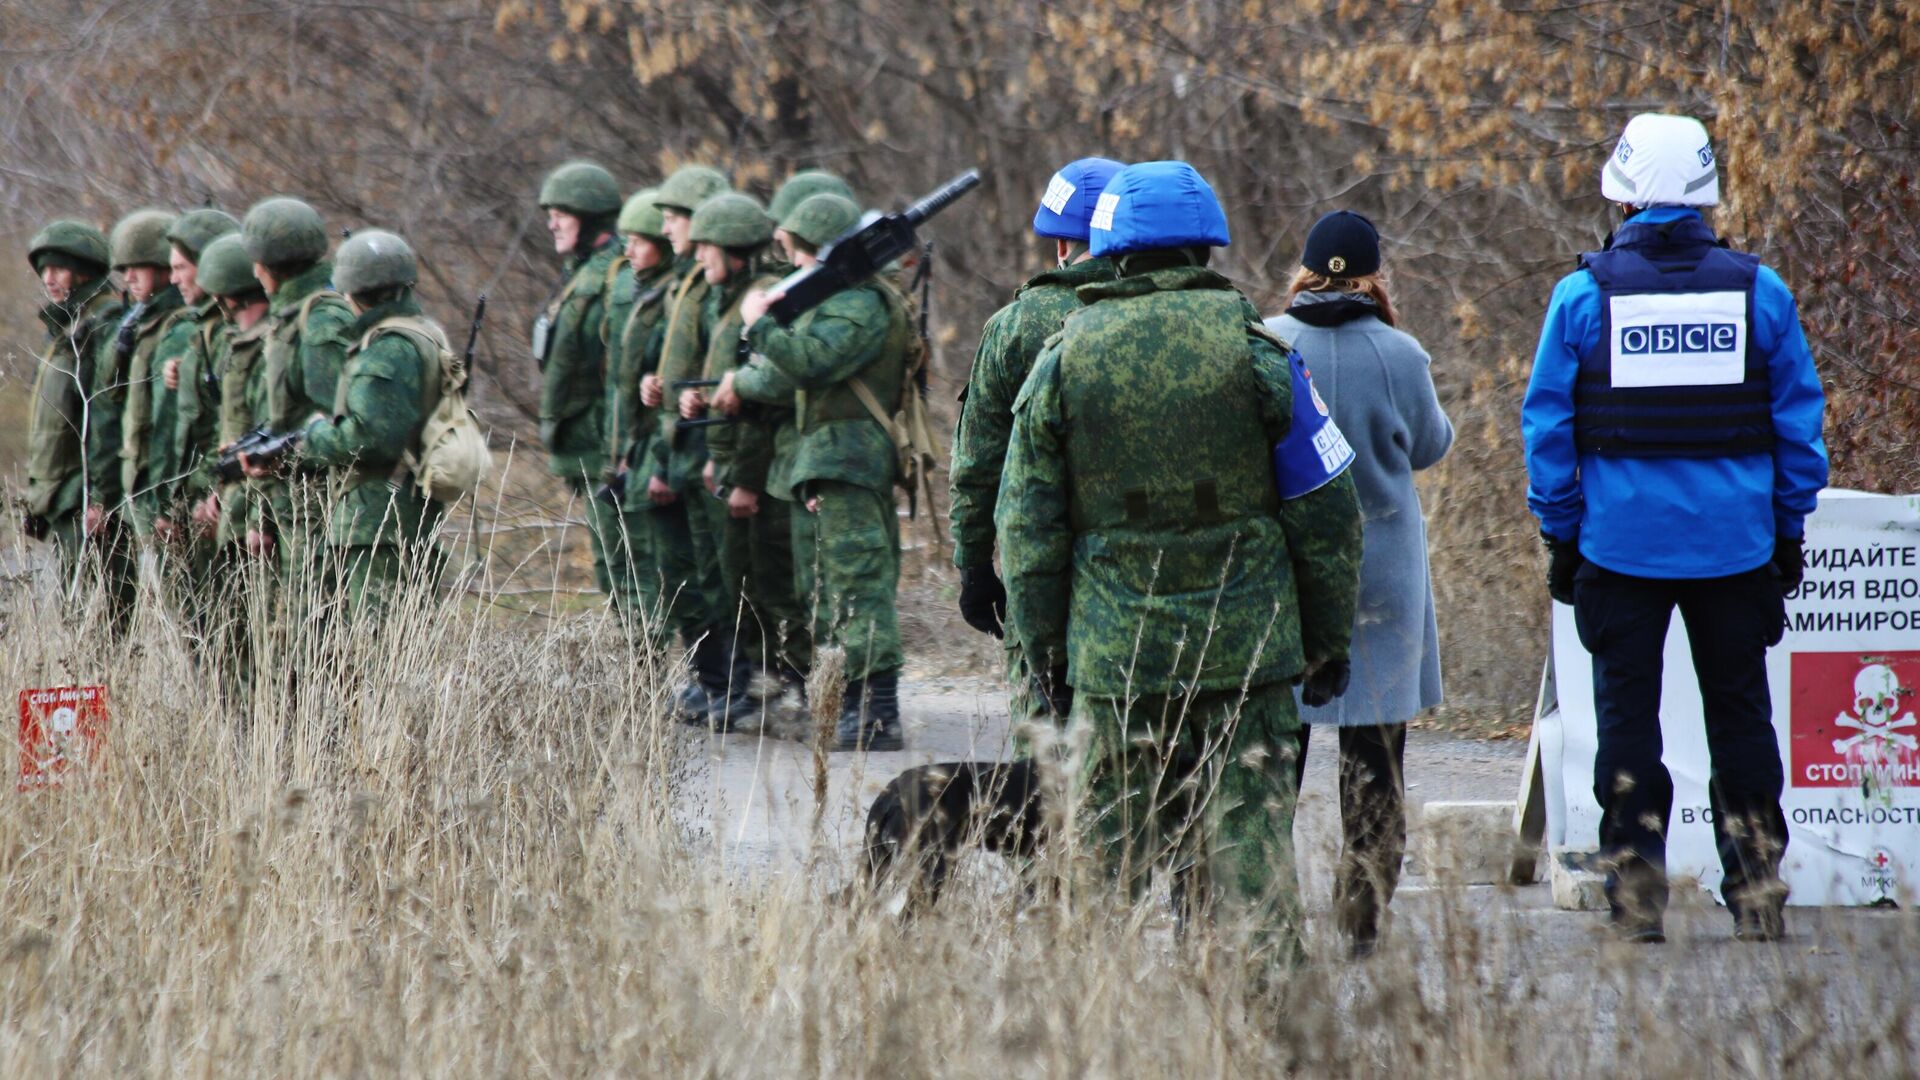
(863, 252)
(261, 446)
(473, 335)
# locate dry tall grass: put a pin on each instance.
(465, 845)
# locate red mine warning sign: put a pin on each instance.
(61, 728)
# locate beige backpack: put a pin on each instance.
(453, 459)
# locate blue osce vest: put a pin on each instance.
(1675, 372)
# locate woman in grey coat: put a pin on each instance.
(1375, 379)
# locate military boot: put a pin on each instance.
(870, 714)
(731, 704)
(692, 703)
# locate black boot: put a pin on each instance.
(870, 714)
(732, 704)
(691, 704)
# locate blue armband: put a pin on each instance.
(1314, 453)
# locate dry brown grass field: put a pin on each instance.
(467, 842)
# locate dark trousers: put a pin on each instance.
(1730, 622)
(1373, 822)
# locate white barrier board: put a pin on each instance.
(1845, 681)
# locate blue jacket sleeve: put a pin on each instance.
(1546, 417)
(1799, 406)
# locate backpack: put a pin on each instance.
(453, 459)
(908, 423)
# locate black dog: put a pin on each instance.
(929, 812)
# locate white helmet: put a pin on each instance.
(1662, 160)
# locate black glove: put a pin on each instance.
(1790, 558)
(983, 600)
(1326, 682)
(36, 527)
(1051, 689)
(1563, 561)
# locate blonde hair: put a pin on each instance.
(1373, 285)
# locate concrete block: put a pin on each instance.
(1464, 843)
(1576, 886)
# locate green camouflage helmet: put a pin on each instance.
(372, 260)
(140, 239)
(802, 185)
(580, 188)
(225, 267)
(689, 186)
(641, 215)
(821, 219)
(731, 220)
(74, 239)
(195, 229)
(284, 232)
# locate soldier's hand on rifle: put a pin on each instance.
(259, 544)
(693, 404)
(96, 519)
(755, 304)
(659, 493)
(742, 503)
(171, 374)
(653, 390)
(253, 469)
(724, 398)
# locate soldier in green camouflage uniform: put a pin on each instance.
(82, 310)
(1155, 573)
(570, 346)
(382, 524)
(699, 604)
(731, 235)
(119, 409)
(1008, 347)
(800, 187)
(858, 340)
(183, 419)
(239, 350)
(635, 309)
(306, 347)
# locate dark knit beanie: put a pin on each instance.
(1342, 245)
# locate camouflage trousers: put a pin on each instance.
(106, 561)
(756, 559)
(855, 574)
(688, 575)
(707, 526)
(623, 544)
(371, 578)
(1203, 785)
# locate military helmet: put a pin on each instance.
(641, 215)
(689, 186)
(371, 260)
(821, 219)
(802, 185)
(580, 188)
(1155, 205)
(195, 229)
(1066, 207)
(75, 240)
(284, 232)
(225, 267)
(140, 239)
(731, 220)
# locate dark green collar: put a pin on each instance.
(1164, 279)
(405, 305)
(1073, 275)
(292, 292)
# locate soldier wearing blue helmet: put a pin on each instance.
(1159, 574)
(1008, 346)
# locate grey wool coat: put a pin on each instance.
(1376, 381)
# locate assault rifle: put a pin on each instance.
(923, 281)
(261, 446)
(699, 384)
(473, 335)
(864, 252)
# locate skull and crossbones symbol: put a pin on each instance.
(1876, 693)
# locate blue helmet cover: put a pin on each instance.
(1157, 204)
(1067, 204)
(1314, 452)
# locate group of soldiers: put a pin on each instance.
(740, 473)
(219, 328)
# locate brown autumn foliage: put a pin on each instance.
(1470, 130)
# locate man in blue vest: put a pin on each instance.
(1673, 453)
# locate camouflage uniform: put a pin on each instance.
(571, 392)
(173, 455)
(382, 525)
(689, 559)
(845, 468)
(1009, 344)
(305, 351)
(1149, 555)
(80, 333)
